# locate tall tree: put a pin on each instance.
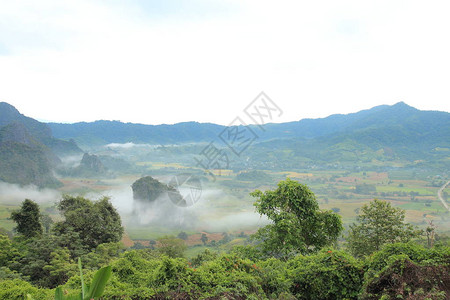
(204, 238)
(28, 219)
(95, 222)
(378, 223)
(298, 225)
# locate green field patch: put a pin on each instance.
(435, 206)
(395, 188)
(5, 213)
(150, 232)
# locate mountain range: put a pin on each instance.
(30, 150)
(399, 117)
(387, 133)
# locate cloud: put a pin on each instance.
(212, 212)
(15, 194)
(126, 145)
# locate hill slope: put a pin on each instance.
(27, 149)
(24, 160)
(40, 131)
(384, 133)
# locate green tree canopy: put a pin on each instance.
(298, 225)
(60, 268)
(182, 235)
(8, 251)
(96, 222)
(204, 238)
(171, 246)
(47, 222)
(378, 223)
(28, 219)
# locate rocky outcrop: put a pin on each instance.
(91, 163)
(90, 167)
(148, 189)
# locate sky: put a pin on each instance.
(169, 61)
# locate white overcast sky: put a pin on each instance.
(164, 61)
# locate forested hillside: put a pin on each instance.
(28, 152)
(40, 131)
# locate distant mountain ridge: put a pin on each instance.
(398, 115)
(106, 132)
(397, 133)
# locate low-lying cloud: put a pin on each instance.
(15, 194)
(211, 213)
(128, 145)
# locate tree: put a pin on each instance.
(28, 219)
(378, 223)
(36, 257)
(226, 238)
(103, 254)
(60, 268)
(204, 238)
(183, 235)
(95, 222)
(46, 222)
(152, 244)
(298, 225)
(8, 252)
(336, 209)
(171, 246)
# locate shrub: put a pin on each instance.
(18, 289)
(328, 275)
(409, 270)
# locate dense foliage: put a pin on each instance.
(89, 229)
(276, 266)
(27, 219)
(95, 222)
(329, 274)
(298, 225)
(378, 223)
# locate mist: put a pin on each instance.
(71, 161)
(15, 194)
(215, 210)
(212, 212)
(128, 145)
